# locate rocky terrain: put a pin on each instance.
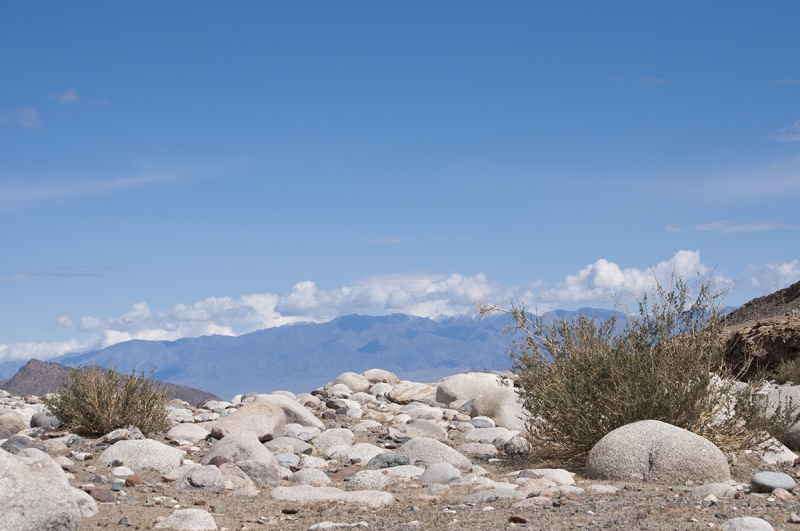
(368, 450)
(765, 331)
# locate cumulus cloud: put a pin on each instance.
(422, 294)
(47, 350)
(29, 118)
(774, 276)
(603, 280)
(728, 227)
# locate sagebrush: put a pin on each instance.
(96, 401)
(580, 379)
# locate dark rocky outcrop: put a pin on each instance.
(42, 377)
(764, 332)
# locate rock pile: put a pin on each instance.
(365, 443)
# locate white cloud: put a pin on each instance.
(789, 134)
(673, 228)
(728, 227)
(69, 96)
(29, 118)
(773, 276)
(417, 293)
(785, 81)
(64, 321)
(47, 350)
(603, 280)
(11, 195)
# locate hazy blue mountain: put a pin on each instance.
(301, 357)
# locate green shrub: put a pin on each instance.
(788, 371)
(581, 379)
(96, 401)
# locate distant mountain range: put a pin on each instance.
(302, 357)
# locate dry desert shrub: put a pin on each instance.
(583, 378)
(96, 401)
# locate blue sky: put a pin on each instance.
(185, 168)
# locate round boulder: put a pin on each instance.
(465, 386)
(143, 454)
(264, 419)
(430, 451)
(654, 451)
(376, 376)
(355, 382)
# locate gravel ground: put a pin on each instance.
(634, 506)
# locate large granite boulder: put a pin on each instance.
(295, 412)
(429, 451)
(263, 419)
(501, 404)
(465, 386)
(143, 454)
(35, 495)
(654, 451)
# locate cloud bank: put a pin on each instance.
(422, 294)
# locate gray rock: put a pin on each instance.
(478, 449)
(428, 429)
(294, 412)
(43, 419)
(482, 422)
(13, 422)
(355, 382)
(465, 386)
(387, 460)
(769, 481)
(128, 433)
(602, 489)
(143, 454)
(720, 490)
(288, 460)
(430, 451)
(404, 471)
(188, 520)
(361, 452)
(263, 419)
(17, 443)
(654, 451)
(405, 392)
(369, 480)
(330, 438)
(202, 479)
(188, 432)
(746, 523)
(502, 404)
(376, 376)
(517, 445)
(298, 446)
(263, 473)
(86, 503)
(380, 389)
(241, 446)
(309, 476)
(489, 435)
(306, 494)
(36, 495)
(491, 495)
(441, 473)
(234, 477)
(303, 433)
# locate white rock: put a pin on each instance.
(188, 520)
(143, 454)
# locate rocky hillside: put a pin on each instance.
(765, 331)
(42, 377)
